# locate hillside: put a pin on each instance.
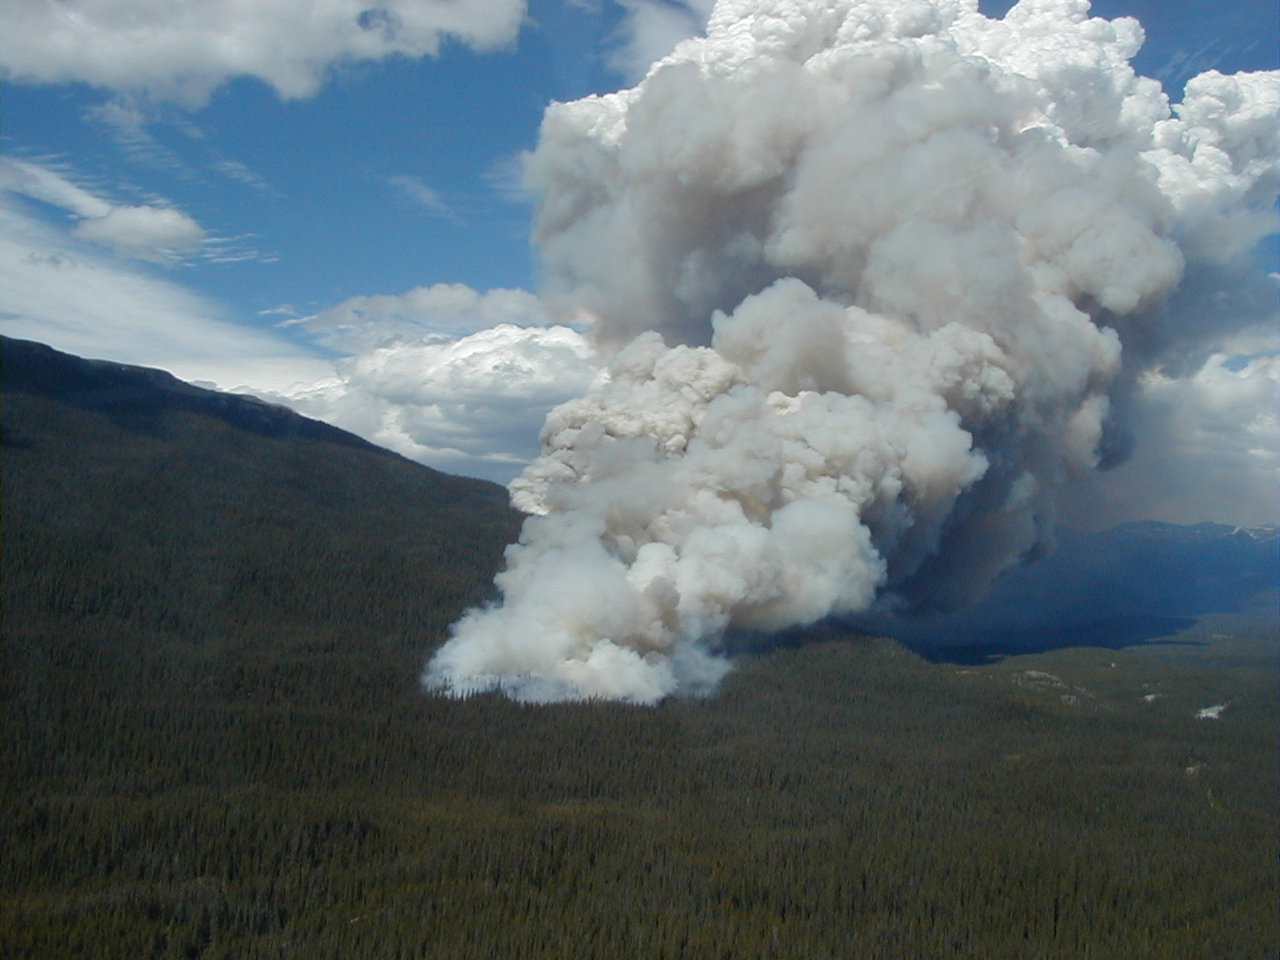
(133, 498)
(215, 746)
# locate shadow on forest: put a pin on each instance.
(1111, 633)
(1135, 584)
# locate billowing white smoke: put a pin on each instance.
(876, 275)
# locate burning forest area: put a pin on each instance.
(893, 578)
(877, 283)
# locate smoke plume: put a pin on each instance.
(876, 279)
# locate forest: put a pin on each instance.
(215, 744)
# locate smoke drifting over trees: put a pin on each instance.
(878, 281)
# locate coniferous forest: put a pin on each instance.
(215, 745)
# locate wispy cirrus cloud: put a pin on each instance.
(52, 185)
(652, 28)
(240, 172)
(127, 124)
(58, 288)
(424, 198)
(157, 232)
(506, 179)
(130, 124)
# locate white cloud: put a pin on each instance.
(423, 196)
(471, 404)
(69, 295)
(456, 378)
(651, 29)
(1208, 448)
(439, 312)
(43, 183)
(183, 52)
(158, 234)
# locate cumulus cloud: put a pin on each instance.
(183, 52)
(878, 282)
(469, 403)
(158, 234)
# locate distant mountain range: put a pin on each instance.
(1134, 582)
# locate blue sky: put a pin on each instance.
(372, 171)
(395, 173)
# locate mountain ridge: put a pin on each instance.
(132, 498)
(130, 393)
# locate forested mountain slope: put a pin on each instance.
(132, 497)
(215, 747)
